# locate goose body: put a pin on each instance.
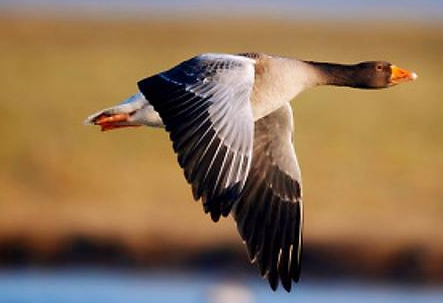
(231, 124)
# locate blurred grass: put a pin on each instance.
(372, 160)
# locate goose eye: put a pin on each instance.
(379, 67)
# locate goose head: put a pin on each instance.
(366, 75)
(380, 74)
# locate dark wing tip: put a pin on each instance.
(273, 281)
(286, 285)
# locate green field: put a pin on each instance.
(372, 161)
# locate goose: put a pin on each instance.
(231, 125)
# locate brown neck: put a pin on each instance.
(335, 74)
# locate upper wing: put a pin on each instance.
(269, 213)
(204, 104)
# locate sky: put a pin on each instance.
(334, 9)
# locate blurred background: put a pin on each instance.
(87, 216)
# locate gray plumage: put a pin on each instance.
(231, 126)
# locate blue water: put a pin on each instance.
(99, 286)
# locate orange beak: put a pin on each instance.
(399, 75)
(113, 122)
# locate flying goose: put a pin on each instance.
(231, 125)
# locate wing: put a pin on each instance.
(269, 213)
(204, 104)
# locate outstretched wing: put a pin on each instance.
(205, 105)
(269, 213)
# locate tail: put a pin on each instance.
(129, 106)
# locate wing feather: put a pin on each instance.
(205, 105)
(269, 211)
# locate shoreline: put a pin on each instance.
(405, 263)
